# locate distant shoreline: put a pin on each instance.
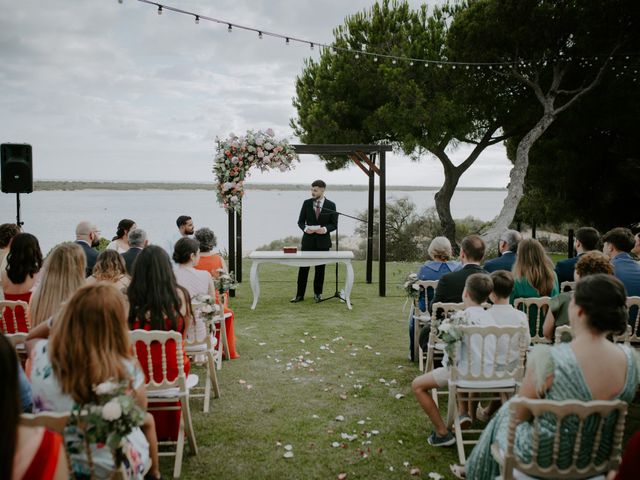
(52, 185)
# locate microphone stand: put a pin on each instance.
(337, 293)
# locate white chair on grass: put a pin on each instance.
(496, 375)
(536, 309)
(439, 310)
(604, 419)
(9, 323)
(167, 389)
(203, 352)
(420, 318)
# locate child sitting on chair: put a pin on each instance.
(476, 291)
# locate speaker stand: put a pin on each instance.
(18, 222)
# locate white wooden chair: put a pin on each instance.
(633, 304)
(603, 451)
(17, 340)
(222, 301)
(561, 331)
(203, 352)
(420, 318)
(497, 374)
(9, 316)
(536, 309)
(167, 389)
(435, 350)
(567, 286)
(57, 421)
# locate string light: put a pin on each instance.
(500, 65)
(120, 2)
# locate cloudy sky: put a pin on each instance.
(109, 91)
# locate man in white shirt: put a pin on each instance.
(185, 228)
(476, 291)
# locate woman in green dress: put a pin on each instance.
(588, 368)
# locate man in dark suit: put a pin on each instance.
(587, 239)
(451, 285)
(137, 241)
(318, 218)
(88, 237)
(508, 247)
(617, 244)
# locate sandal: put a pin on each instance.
(458, 471)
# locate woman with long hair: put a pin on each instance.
(96, 315)
(24, 261)
(25, 452)
(588, 368)
(62, 274)
(110, 267)
(214, 264)
(120, 243)
(157, 302)
(533, 272)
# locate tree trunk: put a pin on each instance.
(515, 190)
(443, 205)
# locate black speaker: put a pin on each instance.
(16, 168)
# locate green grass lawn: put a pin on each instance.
(301, 367)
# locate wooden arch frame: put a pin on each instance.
(364, 156)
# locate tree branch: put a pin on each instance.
(534, 85)
(473, 156)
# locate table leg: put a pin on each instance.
(255, 283)
(348, 284)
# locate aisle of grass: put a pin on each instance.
(301, 367)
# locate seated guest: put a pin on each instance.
(589, 368)
(636, 247)
(62, 274)
(25, 452)
(23, 264)
(590, 263)
(88, 237)
(120, 243)
(451, 285)
(507, 247)
(137, 241)
(617, 243)
(209, 260)
(66, 371)
(110, 267)
(198, 282)
(476, 291)
(185, 229)
(533, 272)
(7, 232)
(440, 252)
(587, 240)
(156, 302)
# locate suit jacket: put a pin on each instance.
(129, 257)
(328, 218)
(451, 285)
(628, 271)
(565, 269)
(91, 255)
(503, 262)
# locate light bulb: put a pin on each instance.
(260, 35)
(159, 9)
(197, 20)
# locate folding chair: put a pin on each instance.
(420, 318)
(594, 449)
(497, 373)
(202, 351)
(536, 309)
(14, 316)
(168, 384)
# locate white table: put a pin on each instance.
(300, 259)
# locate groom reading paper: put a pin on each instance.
(318, 218)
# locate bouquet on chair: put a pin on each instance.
(449, 330)
(205, 307)
(225, 281)
(410, 287)
(107, 421)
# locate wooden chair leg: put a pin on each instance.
(212, 375)
(188, 427)
(177, 464)
(224, 339)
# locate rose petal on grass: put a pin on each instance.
(360, 422)
(415, 471)
(382, 380)
(375, 432)
(340, 418)
(335, 444)
(288, 447)
(399, 396)
(249, 386)
(435, 476)
(342, 476)
(242, 382)
(262, 344)
(406, 464)
(288, 455)
(315, 416)
(343, 396)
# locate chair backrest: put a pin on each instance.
(14, 316)
(16, 338)
(501, 351)
(443, 309)
(55, 421)
(633, 304)
(563, 331)
(567, 286)
(161, 356)
(536, 309)
(587, 440)
(429, 289)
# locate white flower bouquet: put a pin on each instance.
(225, 281)
(108, 420)
(205, 307)
(449, 330)
(409, 285)
(235, 155)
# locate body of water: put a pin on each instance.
(267, 214)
